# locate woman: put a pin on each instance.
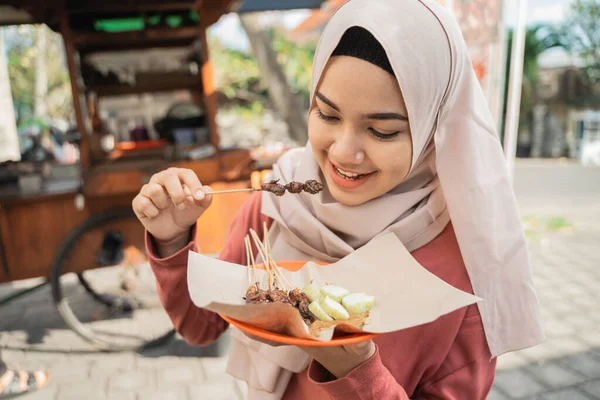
(400, 134)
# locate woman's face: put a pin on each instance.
(358, 128)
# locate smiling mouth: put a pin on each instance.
(349, 175)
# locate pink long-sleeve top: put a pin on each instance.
(446, 359)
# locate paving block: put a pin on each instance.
(559, 308)
(555, 327)
(177, 375)
(517, 383)
(242, 387)
(215, 369)
(121, 396)
(591, 336)
(104, 365)
(586, 364)
(566, 394)
(496, 394)
(214, 391)
(554, 375)
(43, 394)
(542, 352)
(69, 370)
(592, 388)
(81, 391)
(174, 393)
(511, 361)
(581, 321)
(128, 380)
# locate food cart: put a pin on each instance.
(60, 222)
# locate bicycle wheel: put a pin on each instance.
(103, 287)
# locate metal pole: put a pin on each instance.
(514, 88)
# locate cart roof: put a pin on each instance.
(14, 12)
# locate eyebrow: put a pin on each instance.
(327, 101)
(385, 116)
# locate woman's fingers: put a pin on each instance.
(190, 179)
(143, 207)
(175, 181)
(157, 194)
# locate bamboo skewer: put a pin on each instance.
(248, 260)
(280, 276)
(259, 246)
(251, 258)
(234, 191)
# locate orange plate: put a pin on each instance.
(339, 340)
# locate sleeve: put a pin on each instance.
(467, 372)
(197, 325)
(370, 380)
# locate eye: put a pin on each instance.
(325, 117)
(383, 136)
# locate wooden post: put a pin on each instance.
(70, 52)
(208, 85)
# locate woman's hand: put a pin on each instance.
(169, 205)
(339, 360)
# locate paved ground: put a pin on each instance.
(567, 273)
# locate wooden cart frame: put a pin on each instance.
(87, 223)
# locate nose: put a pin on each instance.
(346, 150)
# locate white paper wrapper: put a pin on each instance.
(406, 294)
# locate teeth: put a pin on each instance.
(347, 175)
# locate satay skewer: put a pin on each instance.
(234, 191)
(311, 186)
(280, 276)
(250, 258)
(248, 273)
(259, 246)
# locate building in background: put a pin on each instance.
(565, 124)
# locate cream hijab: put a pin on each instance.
(458, 173)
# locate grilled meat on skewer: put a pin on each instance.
(295, 298)
(278, 296)
(273, 187)
(295, 187)
(312, 186)
(256, 295)
(301, 302)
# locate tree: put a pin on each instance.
(285, 101)
(41, 75)
(538, 39)
(37, 71)
(580, 34)
(9, 143)
(21, 55)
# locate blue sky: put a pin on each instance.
(229, 30)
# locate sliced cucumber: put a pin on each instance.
(315, 308)
(334, 309)
(311, 291)
(358, 303)
(334, 292)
